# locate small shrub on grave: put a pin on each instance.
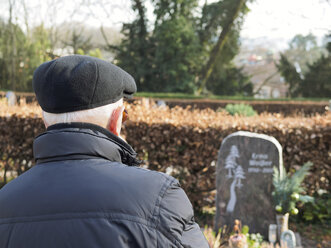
(318, 211)
(288, 189)
(240, 109)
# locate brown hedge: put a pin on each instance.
(286, 108)
(185, 142)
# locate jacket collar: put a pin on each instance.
(66, 141)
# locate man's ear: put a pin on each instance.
(115, 121)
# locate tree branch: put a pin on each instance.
(104, 36)
(265, 82)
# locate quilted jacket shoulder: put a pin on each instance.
(92, 199)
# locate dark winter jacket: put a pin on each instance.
(81, 194)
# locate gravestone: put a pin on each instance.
(161, 104)
(11, 98)
(244, 180)
(287, 239)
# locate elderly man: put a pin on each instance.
(86, 189)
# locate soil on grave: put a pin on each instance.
(317, 235)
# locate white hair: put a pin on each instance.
(99, 116)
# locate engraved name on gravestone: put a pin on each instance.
(244, 180)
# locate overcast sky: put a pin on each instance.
(285, 18)
(272, 19)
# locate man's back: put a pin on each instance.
(86, 200)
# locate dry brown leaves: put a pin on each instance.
(22, 110)
(201, 119)
(185, 142)
(207, 118)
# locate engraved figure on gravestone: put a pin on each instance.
(233, 168)
(231, 163)
(244, 180)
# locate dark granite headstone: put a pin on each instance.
(244, 180)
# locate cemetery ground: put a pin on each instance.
(184, 142)
(312, 234)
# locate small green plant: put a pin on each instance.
(288, 189)
(318, 211)
(254, 240)
(240, 109)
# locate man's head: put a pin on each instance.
(82, 89)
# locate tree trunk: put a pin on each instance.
(13, 48)
(208, 69)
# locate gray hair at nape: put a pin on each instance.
(99, 116)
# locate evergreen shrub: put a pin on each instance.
(240, 109)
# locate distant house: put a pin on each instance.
(272, 91)
(63, 51)
(267, 82)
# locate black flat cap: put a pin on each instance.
(77, 82)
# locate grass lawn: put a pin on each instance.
(215, 97)
(184, 96)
